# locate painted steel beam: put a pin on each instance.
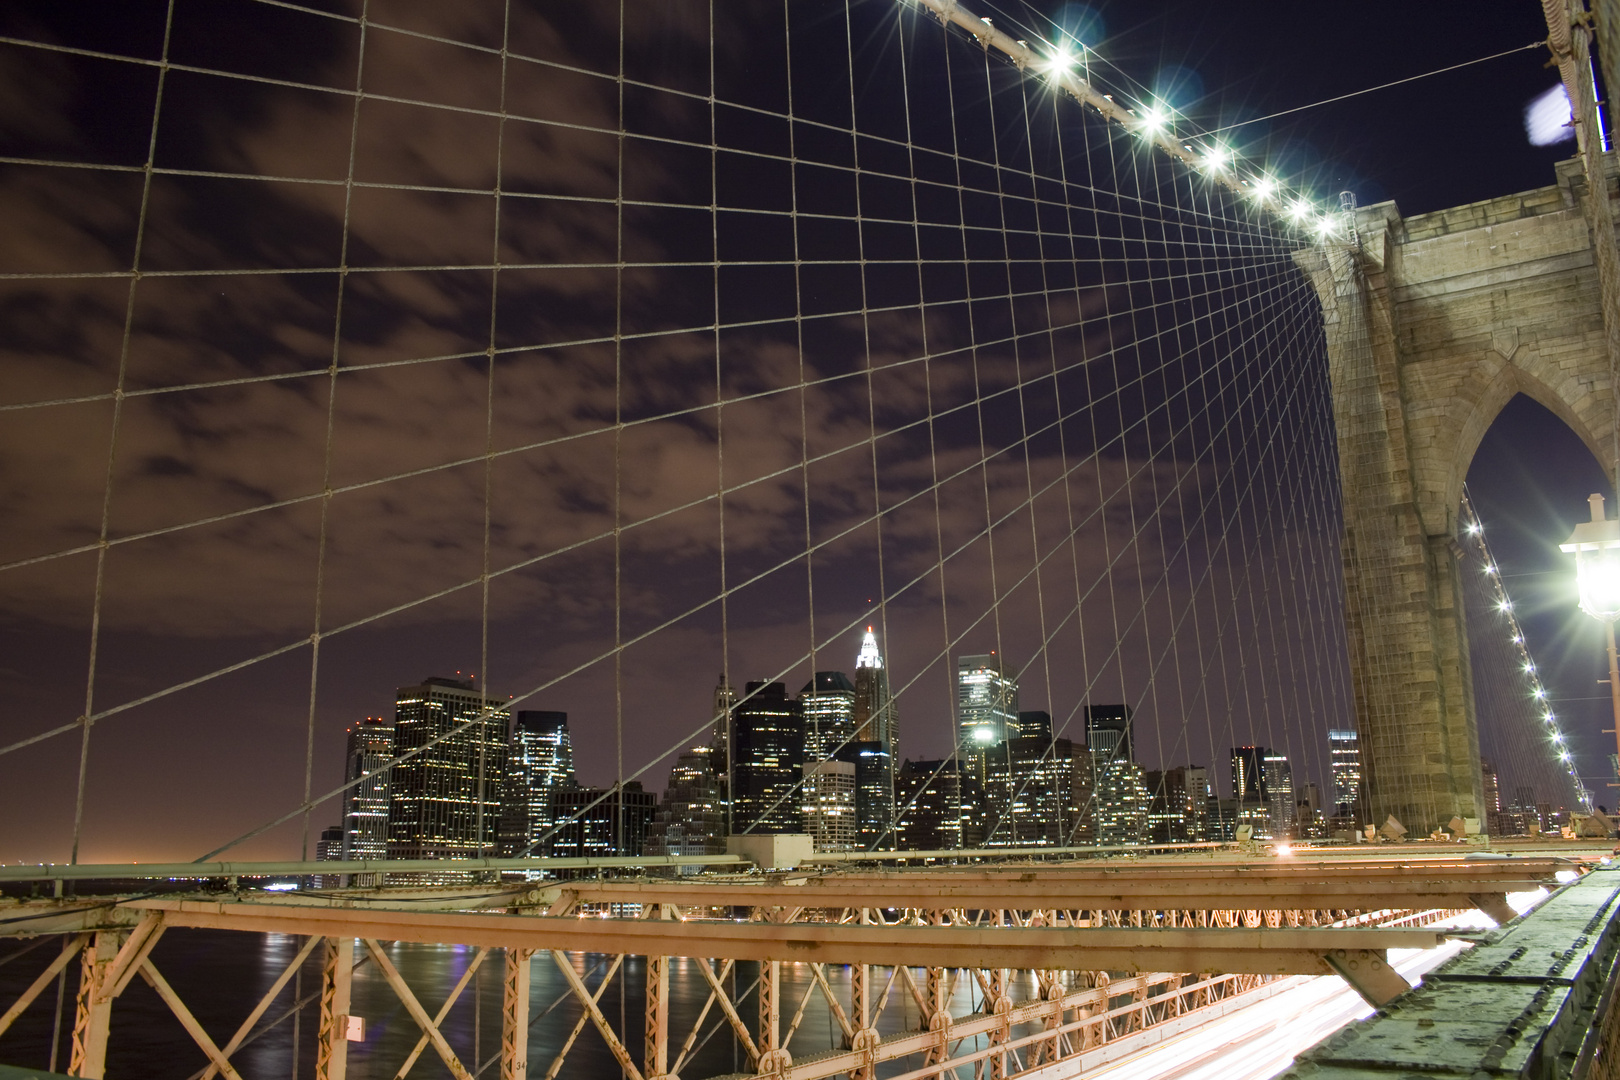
(1262, 951)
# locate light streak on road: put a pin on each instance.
(1264, 1039)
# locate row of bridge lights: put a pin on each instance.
(1537, 690)
(1156, 121)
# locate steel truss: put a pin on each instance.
(1112, 968)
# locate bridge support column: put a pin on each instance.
(655, 1038)
(332, 1041)
(92, 1012)
(772, 1058)
(515, 1015)
(866, 1037)
(1403, 602)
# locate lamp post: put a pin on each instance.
(1596, 547)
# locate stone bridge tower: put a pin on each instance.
(1433, 324)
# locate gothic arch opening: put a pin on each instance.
(1528, 479)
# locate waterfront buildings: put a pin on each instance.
(986, 708)
(767, 741)
(444, 800)
(539, 759)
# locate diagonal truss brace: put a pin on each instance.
(70, 949)
(187, 1021)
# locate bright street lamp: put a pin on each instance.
(1596, 547)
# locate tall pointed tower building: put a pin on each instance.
(875, 716)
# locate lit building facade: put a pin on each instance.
(614, 827)
(539, 758)
(1249, 774)
(829, 805)
(328, 849)
(365, 804)
(767, 739)
(828, 705)
(874, 794)
(1120, 803)
(1344, 756)
(938, 806)
(986, 708)
(1179, 809)
(445, 801)
(1033, 786)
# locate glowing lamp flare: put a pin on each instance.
(1596, 547)
(1061, 60)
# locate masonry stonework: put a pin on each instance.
(1434, 323)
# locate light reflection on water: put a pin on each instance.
(221, 975)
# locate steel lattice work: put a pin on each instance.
(1107, 967)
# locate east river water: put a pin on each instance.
(221, 975)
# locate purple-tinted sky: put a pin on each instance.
(1169, 475)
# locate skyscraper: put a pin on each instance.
(1491, 787)
(445, 801)
(365, 805)
(1033, 788)
(1251, 791)
(539, 758)
(986, 708)
(723, 714)
(828, 702)
(1345, 757)
(874, 794)
(1108, 733)
(1121, 803)
(1249, 774)
(725, 700)
(767, 740)
(828, 705)
(876, 719)
(829, 805)
(328, 849)
(690, 819)
(1280, 793)
(1179, 813)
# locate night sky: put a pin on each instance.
(1166, 481)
